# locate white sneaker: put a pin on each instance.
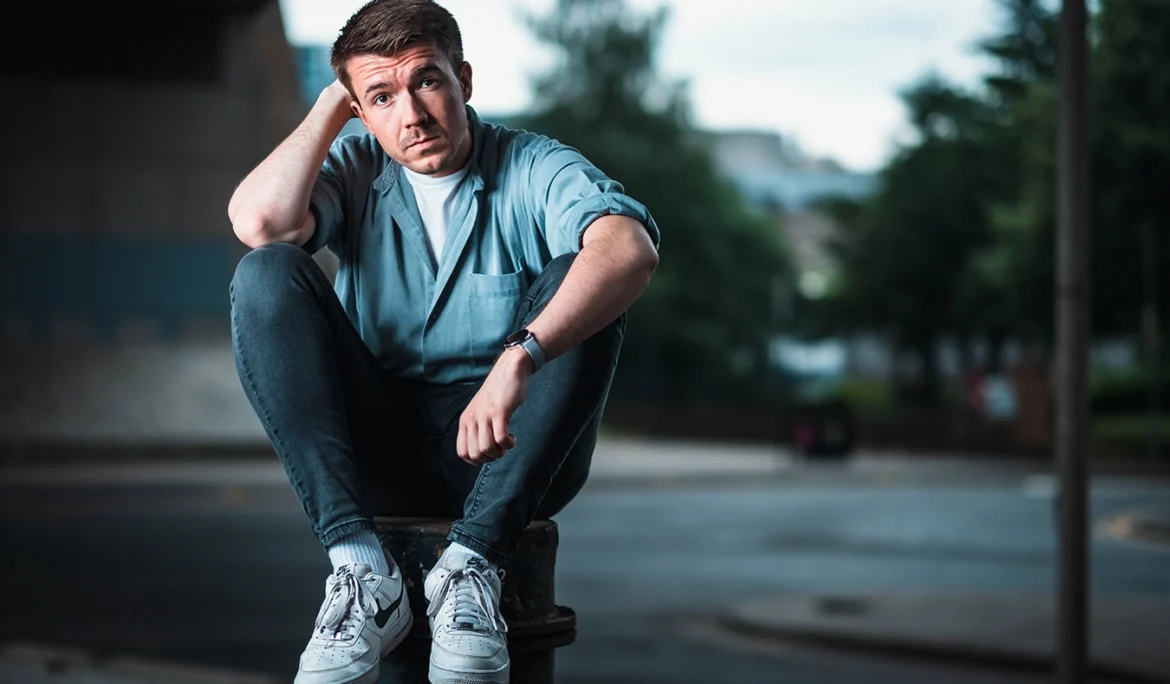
(468, 643)
(364, 617)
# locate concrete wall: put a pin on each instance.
(125, 128)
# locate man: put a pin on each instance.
(460, 364)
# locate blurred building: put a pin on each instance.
(778, 178)
(313, 70)
(772, 171)
(124, 136)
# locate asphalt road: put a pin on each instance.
(216, 565)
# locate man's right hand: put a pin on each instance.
(336, 93)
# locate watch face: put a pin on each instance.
(516, 337)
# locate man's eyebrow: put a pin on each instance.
(425, 69)
(376, 86)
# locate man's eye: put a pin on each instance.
(381, 99)
(428, 83)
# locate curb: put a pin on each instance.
(15, 453)
(893, 645)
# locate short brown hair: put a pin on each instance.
(386, 27)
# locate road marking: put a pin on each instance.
(1127, 528)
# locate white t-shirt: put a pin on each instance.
(435, 198)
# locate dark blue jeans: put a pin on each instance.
(357, 443)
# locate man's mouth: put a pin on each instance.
(422, 142)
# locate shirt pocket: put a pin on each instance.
(493, 302)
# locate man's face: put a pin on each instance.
(413, 103)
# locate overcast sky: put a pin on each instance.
(825, 72)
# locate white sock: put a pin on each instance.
(359, 547)
(460, 554)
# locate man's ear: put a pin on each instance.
(465, 81)
(359, 113)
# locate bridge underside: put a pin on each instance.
(125, 128)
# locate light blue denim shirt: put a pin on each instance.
(526, 199)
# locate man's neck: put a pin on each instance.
(464, 157)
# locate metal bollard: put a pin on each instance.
(536, 625)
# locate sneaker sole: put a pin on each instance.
(371, 676)
(438, 675)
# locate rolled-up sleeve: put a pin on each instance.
(345, 167)
(570, 193)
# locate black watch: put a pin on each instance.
(527, 341)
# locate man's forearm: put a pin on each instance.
(271, 204)
(608, 275)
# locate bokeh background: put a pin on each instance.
(833, 421)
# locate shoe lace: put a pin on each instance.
(347, 600)
(473, 601)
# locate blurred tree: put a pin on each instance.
(903, 255)
(960, 237)
(1131, 154)
(1025, 50)
(1008, 285)
(701, 329)
(1131, 163)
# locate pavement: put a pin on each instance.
(125, 394)
(35, 663)
(1128, 634)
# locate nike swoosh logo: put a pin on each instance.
(383, 614)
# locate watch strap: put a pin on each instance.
(534, 351)
(524, 339)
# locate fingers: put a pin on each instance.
(488, 450)
(504, 440)
(467, 444)
(482, 439)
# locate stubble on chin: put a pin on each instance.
(430, 165)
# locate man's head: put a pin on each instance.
(402, 61)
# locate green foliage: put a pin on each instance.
(960, 239)
(1131, 161)
(1127, 437)
(902, 255)
(1125, 392)
(701, 328)
(867, 397)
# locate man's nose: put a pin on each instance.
(416, 113)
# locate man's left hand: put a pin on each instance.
(483, 427)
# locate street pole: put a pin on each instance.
(1072, 342)
(1152, 343)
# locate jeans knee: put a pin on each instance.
(267, 274)
(264, 266)
(546, 285)
(554, 273)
